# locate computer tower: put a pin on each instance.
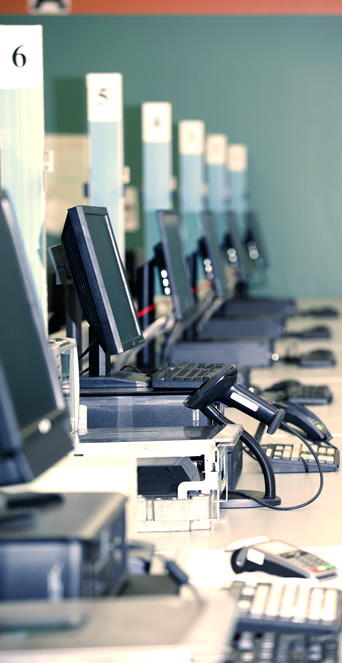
(134, 407)
(70, 545)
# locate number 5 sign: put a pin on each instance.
(21, 57)
(104, 94)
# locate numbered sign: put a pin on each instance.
(237, 173)
(104, 97)
(156, 122)
(191, 143)
(191, 137)
(217, 175)
(105, 129)
(216, 149)
(22, 140)
(20, 57)
(237, 157)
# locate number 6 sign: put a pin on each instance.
(22, 139)
(21, 57)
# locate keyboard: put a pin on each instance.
(320, 312)
(303, 394)
(296, 457)
(313, 359)
(317, 359)
(184, 375)
(308, 394)
(270, 647)
(289, 606)
(318, 332)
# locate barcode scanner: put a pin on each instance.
(224, 388)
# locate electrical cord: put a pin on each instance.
(288, 429)
(289, 357)
(174, 570)
(85, 352)
(221, 419)
(269, 479)
(322, 442)
(132, 368)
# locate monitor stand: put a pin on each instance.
(251, 353)
(271, 326)
(259, 306)
(101, 375)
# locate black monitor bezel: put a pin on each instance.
(27, 451)
(238, 245)
(254, 235)
(220, 282)
(180, 315)
(102, 320)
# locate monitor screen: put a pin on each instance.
(99, 279)
(34, 417)
(176, 265)
(219, 276)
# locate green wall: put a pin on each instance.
(273, 83)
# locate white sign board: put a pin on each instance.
(21, 49)
(104, 92)
(156, 122)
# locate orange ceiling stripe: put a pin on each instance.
(199, 7)
(208, 6)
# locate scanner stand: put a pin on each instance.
(237, 499)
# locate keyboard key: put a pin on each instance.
(287, 606)
(184, 375)
(297, 457)
(282, 648)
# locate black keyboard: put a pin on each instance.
(308, 394)
(270, 647)
(184, 375)
(313, 359)
(318, 332)
(287, 606)
(296, 458)
(317, 359)
(303, 394)
(320, 312)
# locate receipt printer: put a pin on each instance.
(69, 547)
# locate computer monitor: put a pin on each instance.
(255, 242)
(217, 272)
(33, 413)
(178, 280)
(99, 279)
(236, 251)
